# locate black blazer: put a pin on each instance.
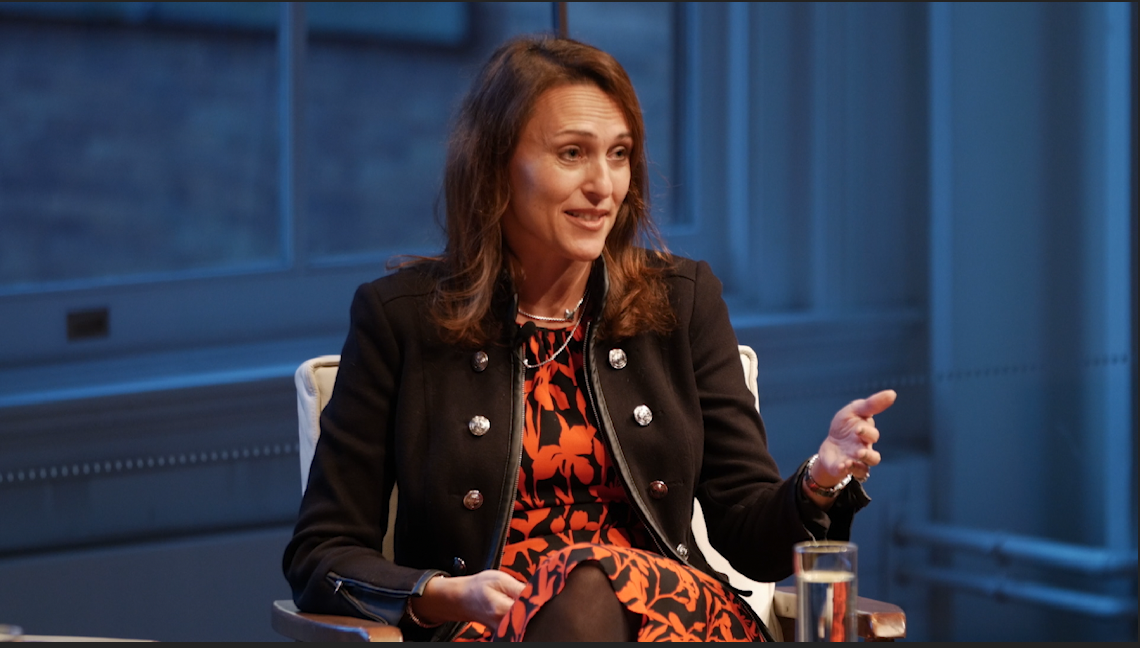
(402, 407)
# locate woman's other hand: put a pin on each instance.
(484, 598)
(847, 448)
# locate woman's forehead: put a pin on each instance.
(583, 109)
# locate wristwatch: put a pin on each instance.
(822, 491)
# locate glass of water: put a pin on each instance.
(826, 591)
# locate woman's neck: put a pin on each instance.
(550, 292)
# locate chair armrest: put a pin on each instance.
(877, 621)
(290, 622)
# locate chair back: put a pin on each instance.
(315, 379)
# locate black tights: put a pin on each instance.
(585, 610)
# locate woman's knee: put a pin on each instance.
(587, 609)
(589, 579)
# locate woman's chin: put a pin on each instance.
(586, 256)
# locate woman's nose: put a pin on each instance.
(599, 182)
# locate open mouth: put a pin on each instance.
(586, 216)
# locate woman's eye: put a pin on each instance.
(621, 153)
(572, 153)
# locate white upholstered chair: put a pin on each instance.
(314, 380)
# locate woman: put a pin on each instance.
(550, 397)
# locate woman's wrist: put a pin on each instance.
(424, 618)
(820, 482)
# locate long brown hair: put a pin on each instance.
(477, 192)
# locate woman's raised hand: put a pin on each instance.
(484, 598)
(847, 448)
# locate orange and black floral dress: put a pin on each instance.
(571, 508)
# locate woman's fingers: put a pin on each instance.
(861, 412)
(867, 433)
(853, 434)
(869, 457)
(874, 403)
(500, 591)
(510, 587)
(848, 447)
(500, 606)
(860, 470)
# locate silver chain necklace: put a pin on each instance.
(566, 318)
(569, 336)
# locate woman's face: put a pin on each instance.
(568, 178)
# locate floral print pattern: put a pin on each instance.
(571, 507)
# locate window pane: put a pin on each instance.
(128, 147)
(378, 114)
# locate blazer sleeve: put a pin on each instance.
(333, 561)
(753, 516)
